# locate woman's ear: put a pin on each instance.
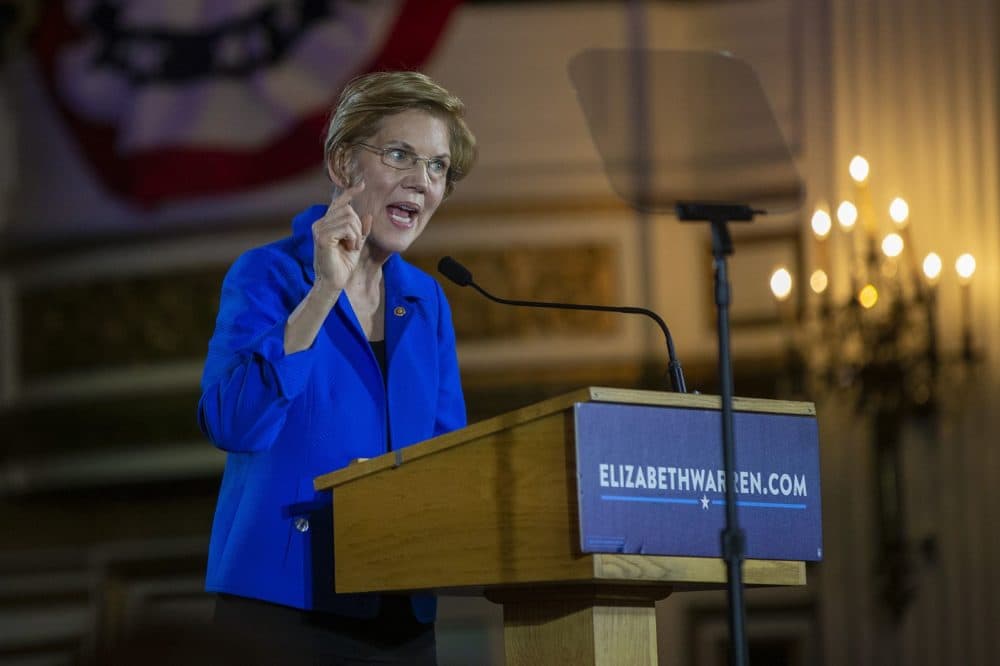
(340, 168)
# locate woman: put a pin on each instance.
(329, 347)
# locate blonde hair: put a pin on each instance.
(368, 99)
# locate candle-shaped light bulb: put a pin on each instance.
(821, 223)
(858, 169)
(965, 266)
(899, 211)
(819, 281)
(932, 267)
(868, 296)
(781, 283)
(892, 245)
(847, 215)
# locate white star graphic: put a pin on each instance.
(705, 501)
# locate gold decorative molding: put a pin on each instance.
(117, 321)
(571, 273)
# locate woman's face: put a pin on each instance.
(402, 201)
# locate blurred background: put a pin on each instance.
(145, 145)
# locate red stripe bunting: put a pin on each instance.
(155, 177)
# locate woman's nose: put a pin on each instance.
(417, 177)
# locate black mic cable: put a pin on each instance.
(461, 276)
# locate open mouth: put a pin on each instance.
(403, 214)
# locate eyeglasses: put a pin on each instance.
(402, 159)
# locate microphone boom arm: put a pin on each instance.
(458, 274)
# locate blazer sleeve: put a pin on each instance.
(248, 381)
(451, 402)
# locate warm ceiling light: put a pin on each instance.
(818, 281)
(932, 266)
(781, 283)
(858, 169)
(965, 266)
(899, 211)
(847, 215)
(868, 296)
(821, 223)
(892, 245)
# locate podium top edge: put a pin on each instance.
(698, 401)
(553, 405)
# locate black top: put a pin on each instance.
(378, 347)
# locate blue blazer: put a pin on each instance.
(285, 419)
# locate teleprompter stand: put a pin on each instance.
(691, 133)
(733, 541)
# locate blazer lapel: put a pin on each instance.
(402, 304)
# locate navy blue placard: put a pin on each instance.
(650, 482)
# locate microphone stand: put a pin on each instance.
(733, 539)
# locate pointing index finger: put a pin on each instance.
(345, 197)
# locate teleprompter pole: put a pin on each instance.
(733, 540)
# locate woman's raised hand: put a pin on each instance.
(338, 237)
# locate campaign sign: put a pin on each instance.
(651, 482)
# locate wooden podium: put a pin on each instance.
(492, 508)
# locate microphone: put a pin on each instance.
(461, 276)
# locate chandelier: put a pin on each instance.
(882, 339)
(879, 344)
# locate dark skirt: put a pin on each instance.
(295, 636)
